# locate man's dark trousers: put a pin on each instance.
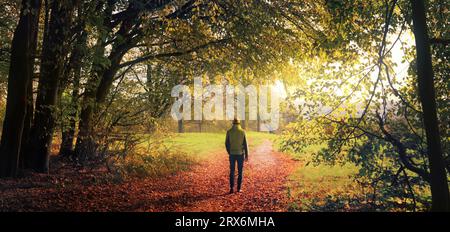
(240, 161)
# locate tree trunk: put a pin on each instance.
(180, 126)
(97, 91)
(54, 52)
(258, 123)
(26, 159)
(87, 106)
(68, 134)
(20, 73)
(84, 145)
(93, 97)
(425, 75)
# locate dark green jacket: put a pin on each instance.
(236, 141)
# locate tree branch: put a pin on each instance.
(171, 54)
(401, 149)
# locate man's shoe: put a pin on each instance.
(239, 190)
(231, 191)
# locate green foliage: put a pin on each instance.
(354, 110)
(8, 19)
(375, 169)
(363, 111)
(8, 15)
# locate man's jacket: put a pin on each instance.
(236, 141)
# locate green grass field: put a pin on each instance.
(201, 144)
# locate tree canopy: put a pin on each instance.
(89, 72)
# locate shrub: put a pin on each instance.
(151, 159)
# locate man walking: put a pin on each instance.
(236, 145)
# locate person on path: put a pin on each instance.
(237, 149)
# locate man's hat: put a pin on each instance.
(236, 121)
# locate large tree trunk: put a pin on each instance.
(20, 74)
(425, 75)
(95, 94)
(93, 97)
(84, 144)
(52, 65)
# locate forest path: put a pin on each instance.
(204, 188)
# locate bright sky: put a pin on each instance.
(400, 68)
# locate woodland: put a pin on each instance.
(85, 100)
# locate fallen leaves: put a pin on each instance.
(204, 188)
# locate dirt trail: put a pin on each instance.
(205, 188)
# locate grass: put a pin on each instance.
(311, 185)
(200, 145)
(322, 180)
(257, 138)
(197, 144)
